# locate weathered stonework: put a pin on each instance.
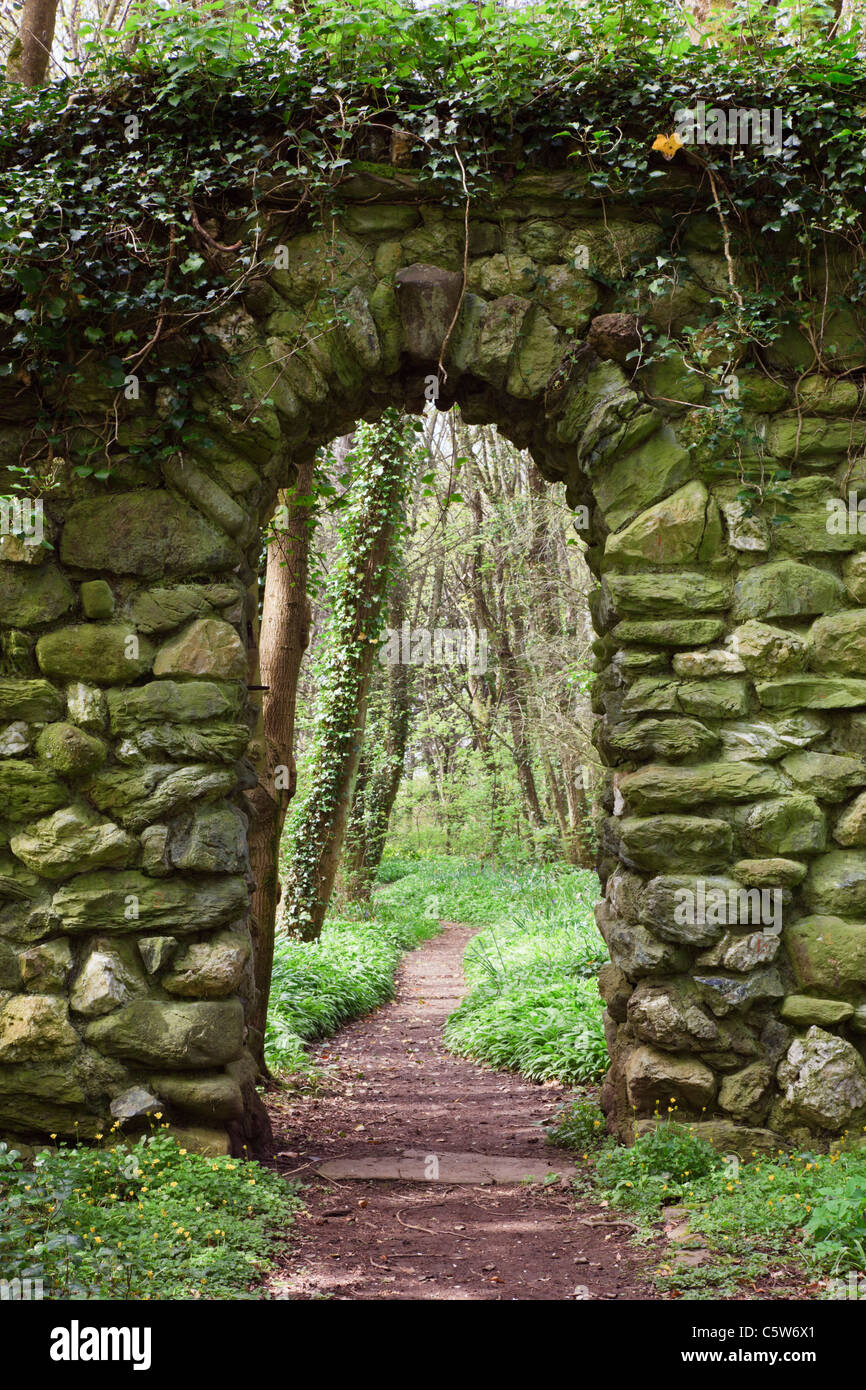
(730, 688)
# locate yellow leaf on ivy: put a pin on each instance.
(667, 145)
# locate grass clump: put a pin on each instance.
(147, 1221)
(533, 1005)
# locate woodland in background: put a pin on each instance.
(493, 762)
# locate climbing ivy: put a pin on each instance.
(367, 544)
(140, 197)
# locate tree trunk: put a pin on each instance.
(285, 633)
(388, 772)
(360, 587)
(355, 885)
(30, 54)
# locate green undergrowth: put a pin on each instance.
(318, 986)
(774, 1223)
(150, 1221)
(533, 1004)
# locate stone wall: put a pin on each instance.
(731, 688)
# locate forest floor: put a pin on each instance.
(395, 1102)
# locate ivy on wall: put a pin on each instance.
(142, 198)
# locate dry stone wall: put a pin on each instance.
(730, 687)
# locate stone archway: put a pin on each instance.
(730, 703)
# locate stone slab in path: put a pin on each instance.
(413, 1165)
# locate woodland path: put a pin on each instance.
(395, 1097)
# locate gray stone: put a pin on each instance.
(670, 1014)
(125, 900)
(154, 851)
(693, 842)
(27, 791)
(826, 775)
(143, 796)
(208, 647)
(786, 590)
(212, 840)
(73, 841)
(209, 969)
(678, 530)
(658, 788)
(770, 873)
(207, 1095)
(32, 595)
(105, 653)
(746, 1094)
(850, 828)
(103, 983)
(86, 706)
(135, 1103)
(184, 1036)
(676, 907)
(769, 651)
(668, 595)
(726, 992)
(14, 739)
(34, 700)
(45, 967)
(770, 736)
(812, 692)
(824, 1081)
(636, 951)
(33, 1026)
(827, 954)
(172, 702)
(69, 750)
(741, 953)
(836, 883)
(217, 743)
(156, 952)
(145, 533)
(782, 825)
(701, 665)
(205, 494)
(656, 1079)
(97, 599)
(713, 699)
(663, 738)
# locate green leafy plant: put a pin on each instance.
(580, 1126)
(660, 1168)
(146, 1220)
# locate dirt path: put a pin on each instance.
(399, 1099)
